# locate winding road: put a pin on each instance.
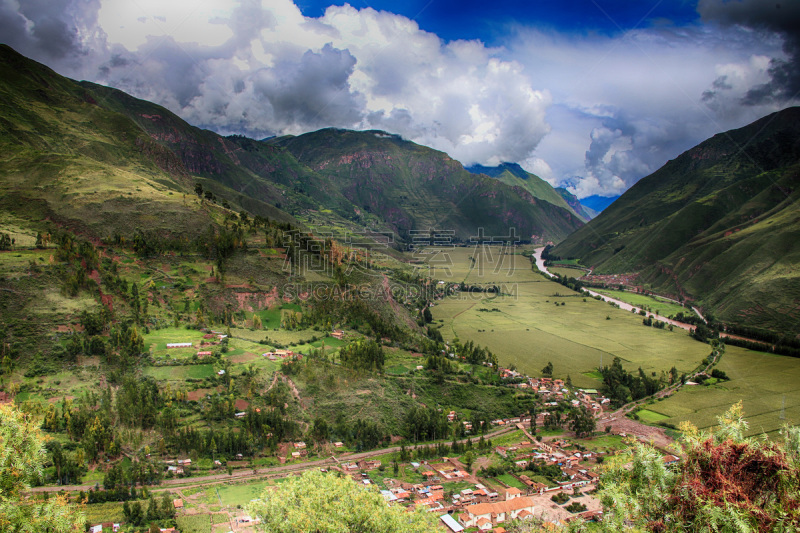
(622, 305)
(263, 473)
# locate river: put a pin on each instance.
(622, 305)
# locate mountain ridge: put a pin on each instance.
(718, 225)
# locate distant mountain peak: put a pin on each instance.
(514, 168)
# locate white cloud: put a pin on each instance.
(594, 112)
(624, 105)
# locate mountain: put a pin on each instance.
(410, 188)
(598, 203)
(69, 155)
(514, 175)
(87, 154)
(584, 212)
(720, 225)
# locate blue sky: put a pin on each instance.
(491, 21)
(588, 94)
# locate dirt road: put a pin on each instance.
(262, 473)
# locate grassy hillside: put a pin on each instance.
(719, 225)
(415, 188)
(515, 176)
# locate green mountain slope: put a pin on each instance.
(100, 153)
(514, 175)
(720, 224)
(415, 188)
(69, 155)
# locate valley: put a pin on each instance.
(534, 321)
(189, 321)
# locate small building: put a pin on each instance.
(179, 345)
(177, 504)
(451, 523)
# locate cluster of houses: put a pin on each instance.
(115, 527)
(280, 354)
(208, 340)
(176, 467)
(554, 390)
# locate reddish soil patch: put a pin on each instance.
(199, 394)
(650, 434)
(243, 358)
(241, 405)
(95, 275)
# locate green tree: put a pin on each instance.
(726, 482)
(547, 371)
(317, 502)
(469, 460)
(581, 421)
(21, 456)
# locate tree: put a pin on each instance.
(21, 456)
(726, 482)
(547, 371)
(581, 421)
(321, 503)
(469, 460)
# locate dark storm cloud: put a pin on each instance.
(782, 17)
(60, 34)
(314, 91)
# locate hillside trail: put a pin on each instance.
(294, 390)
(274, 381)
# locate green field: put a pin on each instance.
(651, 417)
(568, 272)
(654, 304)
(762, 382)
(180, 373)
(511, 481)
(197, 523)
(241, 494)
(532, 327)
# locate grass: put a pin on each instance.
(179, 373)
(106, 512)
(650, 417)
(568, 272)
(197, 523)
(601, 443)
(511, 481)
(767, 385)
(530, 329)
(654, 304)
(241, 494)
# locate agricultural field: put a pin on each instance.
(565, 271)
(761, 381)
(534, 320)
(653, 304)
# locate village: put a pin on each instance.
(465, 498)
